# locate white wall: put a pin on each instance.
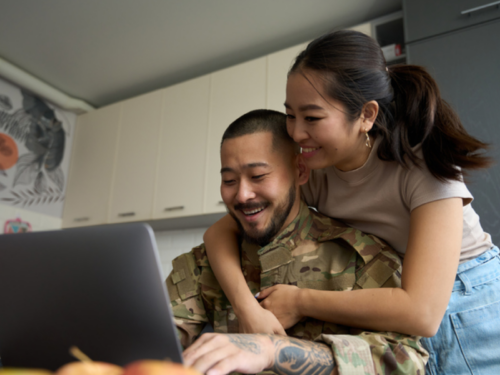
(172, 243)
(37, 220)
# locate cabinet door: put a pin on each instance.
(136, 158)
(91, 169)
(234, 92)
(466, 65)
(181, 165)
(426, 18)
(278, 65)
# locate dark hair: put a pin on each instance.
(411, 110)
(261, 120)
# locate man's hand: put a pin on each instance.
(259, 320)
(283, 302)
(217, 354)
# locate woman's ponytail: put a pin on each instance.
(421, 116)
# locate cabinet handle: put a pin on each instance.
(472, 10)
(174, 208)
(80, 219)
(221, 202)
(125, 214)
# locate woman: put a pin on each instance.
(387, 155)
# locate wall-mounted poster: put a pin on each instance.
(35, 148)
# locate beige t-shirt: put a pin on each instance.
(378, 198)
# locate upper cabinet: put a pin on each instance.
(136, 156)
(91, 168)
(181, 158)
(234, 91)
(278, 65)
(425, 18)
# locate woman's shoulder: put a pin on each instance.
(421, 186)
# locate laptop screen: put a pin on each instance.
(97, 288)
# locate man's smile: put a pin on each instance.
(252, 212)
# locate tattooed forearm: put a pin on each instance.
(245, 343)
(295, 356)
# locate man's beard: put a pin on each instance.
(280, 215)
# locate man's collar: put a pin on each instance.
(295, 232)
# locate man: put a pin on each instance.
(284, 242)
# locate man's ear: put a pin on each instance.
(369, 114)
(302, 170)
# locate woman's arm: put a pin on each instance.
(221, 242)
(416, 308)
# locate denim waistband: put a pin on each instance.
(478, 271)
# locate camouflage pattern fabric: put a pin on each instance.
(314, 252)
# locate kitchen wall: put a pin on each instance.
(172, 243)
(36, 220)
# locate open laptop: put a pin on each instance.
(98, 288)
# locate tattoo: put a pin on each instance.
(294, 356)
(245, 343)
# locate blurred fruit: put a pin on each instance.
(89, 368)
(151, 367)
(23, 371)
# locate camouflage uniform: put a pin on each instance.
(313, 252)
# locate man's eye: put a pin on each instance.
(290, 117)
(228, 182)
(258, 177)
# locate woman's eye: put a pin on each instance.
(311, 119)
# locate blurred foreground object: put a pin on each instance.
(151, 367)
(23, 371)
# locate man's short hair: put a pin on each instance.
(262, 120)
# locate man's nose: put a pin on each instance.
(245, 192)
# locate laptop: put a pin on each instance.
(97, 288)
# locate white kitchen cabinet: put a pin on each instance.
(365, 28)
(91, 167)
(234, 91)
(183, 142)
(278, 65)
(136, 157)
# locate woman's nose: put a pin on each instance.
(297, 131)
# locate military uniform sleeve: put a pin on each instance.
(377, 353)
(187, 306)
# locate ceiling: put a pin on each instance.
(103, 51)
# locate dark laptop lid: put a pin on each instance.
(98, 288)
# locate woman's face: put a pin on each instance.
(320, 126)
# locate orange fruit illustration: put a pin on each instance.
(8, 152)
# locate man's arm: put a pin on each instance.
(184, 291)
(216, 354)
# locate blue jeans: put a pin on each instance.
(468, 339)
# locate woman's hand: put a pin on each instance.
(283, 301)
(259, 320)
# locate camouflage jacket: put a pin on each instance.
(314, 252)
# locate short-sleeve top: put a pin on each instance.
(379, 197)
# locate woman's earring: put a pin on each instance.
(368, 143)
